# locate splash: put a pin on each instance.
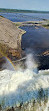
(30, 63)
(25, 86)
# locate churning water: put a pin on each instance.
(23, 85)
(29, 86)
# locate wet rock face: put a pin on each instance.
(10, 39)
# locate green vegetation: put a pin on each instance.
(46, 26)
(21, 11)
(18, 24)
(2, 16)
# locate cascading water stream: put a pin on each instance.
(24, 85)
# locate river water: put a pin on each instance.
(36, 41)
(21, 17)
(28, 86)
(36, 38)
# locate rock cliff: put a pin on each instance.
(10, 39)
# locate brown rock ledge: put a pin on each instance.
(10, 39)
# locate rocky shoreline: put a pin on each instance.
(10, 39)
(10, 46)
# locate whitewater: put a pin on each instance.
(27, 86)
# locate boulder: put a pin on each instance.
(10, 39)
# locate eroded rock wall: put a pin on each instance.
(10, 39)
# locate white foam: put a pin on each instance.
(22, 85)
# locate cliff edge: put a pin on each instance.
(10, 39)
